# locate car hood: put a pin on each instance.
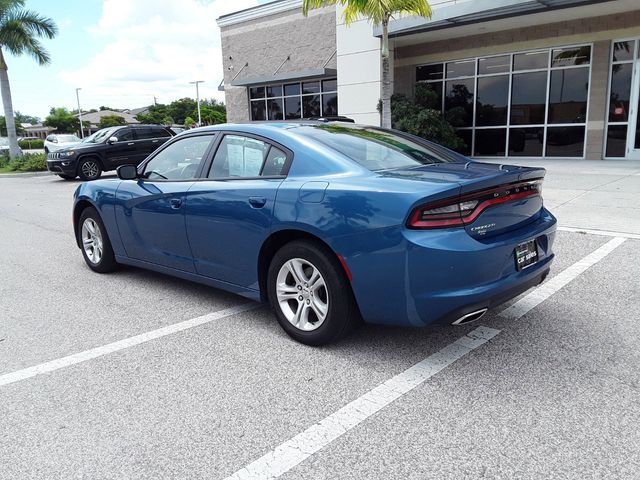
(76, 146)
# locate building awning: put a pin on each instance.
(285, 77)
(450, 15)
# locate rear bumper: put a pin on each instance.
(426, 277)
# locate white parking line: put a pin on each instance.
(604, 233)
(292, 452)
(544, 291)
(69, 360)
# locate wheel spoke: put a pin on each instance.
(295, 267)
(319, 308)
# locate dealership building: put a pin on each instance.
(529, 78)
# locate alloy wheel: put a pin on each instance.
(90, 169)
(92, 241)
(302, 294)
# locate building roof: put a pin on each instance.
(94, 117)
(271, 8)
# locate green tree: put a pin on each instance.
(188, 122)
(62, 120)
(20, 30)
(111, 121)
(3, 127)
(379, 12)
(20, 117)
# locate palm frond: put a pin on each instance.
(20, 30)
(376, 11)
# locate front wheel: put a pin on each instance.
(310, 294)
(94, 242)
(89, 169)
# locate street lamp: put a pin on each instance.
(197, 82)
(79, 112)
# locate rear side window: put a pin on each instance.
(239, 156)
(375, 149)
(144, 133)
(124, 135)
(275, 163)
(157, 132)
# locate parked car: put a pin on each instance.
(55, 142)
(4, 147)
(327, 221)
(106, 150)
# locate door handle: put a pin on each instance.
(176, 203)
(130, 143)
(154, 141)
(257, 202)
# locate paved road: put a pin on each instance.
(554, 393)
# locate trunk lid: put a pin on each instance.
(493, 181)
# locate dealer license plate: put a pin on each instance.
(526, 254)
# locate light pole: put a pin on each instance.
(79, 112)
(197, 82)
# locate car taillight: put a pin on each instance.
(465, 209)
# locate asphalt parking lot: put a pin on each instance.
(139, 375)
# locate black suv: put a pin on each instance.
(107, 149)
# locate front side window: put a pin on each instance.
(180, 160)
(239, 156)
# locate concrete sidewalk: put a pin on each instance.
(591, 194)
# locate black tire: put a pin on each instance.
(66, 177)
(342, 313)
(89, 169)
(46, 150)
(107, 261)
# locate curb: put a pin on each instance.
(24, 174)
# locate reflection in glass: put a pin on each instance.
(274, 91)
(491, 65)
(434, 98)
(492, 100)
(329, 85)
(274, 109)
(528, 98)
(616, 141)
(256, 92)
(429, 72)
(258, 110)
(311, 106)
(311, 87)
(531, 60)
(568, 95)
(462, 68)
(526, 142)
(623, 51)
(458, 103)
(330, 104)
(292, 108)
(466, 136)
(490, 142)
(292, 89)
(565, 141)
(620, 92)
(564, 57)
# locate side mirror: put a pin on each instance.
(127, 172)
(113, 140)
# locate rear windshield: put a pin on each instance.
(375, 149)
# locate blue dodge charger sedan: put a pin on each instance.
(328, 222)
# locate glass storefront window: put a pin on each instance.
(620, 92)
(568, 94)
(528, 98)
(531, 61)
(616, 141)
(623, 51)
(492, 99)
(294, 100)
(535, 97)
(565, 141)
(458, 102)
(462, 68)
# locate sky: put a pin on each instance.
(122, 53)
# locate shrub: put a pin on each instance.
(30, 144)
(422, 117)
(29, 162)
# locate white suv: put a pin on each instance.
(55, 142)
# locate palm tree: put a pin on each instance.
(19, 33)
(379, 12)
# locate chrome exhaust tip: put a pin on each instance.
(470, 317)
